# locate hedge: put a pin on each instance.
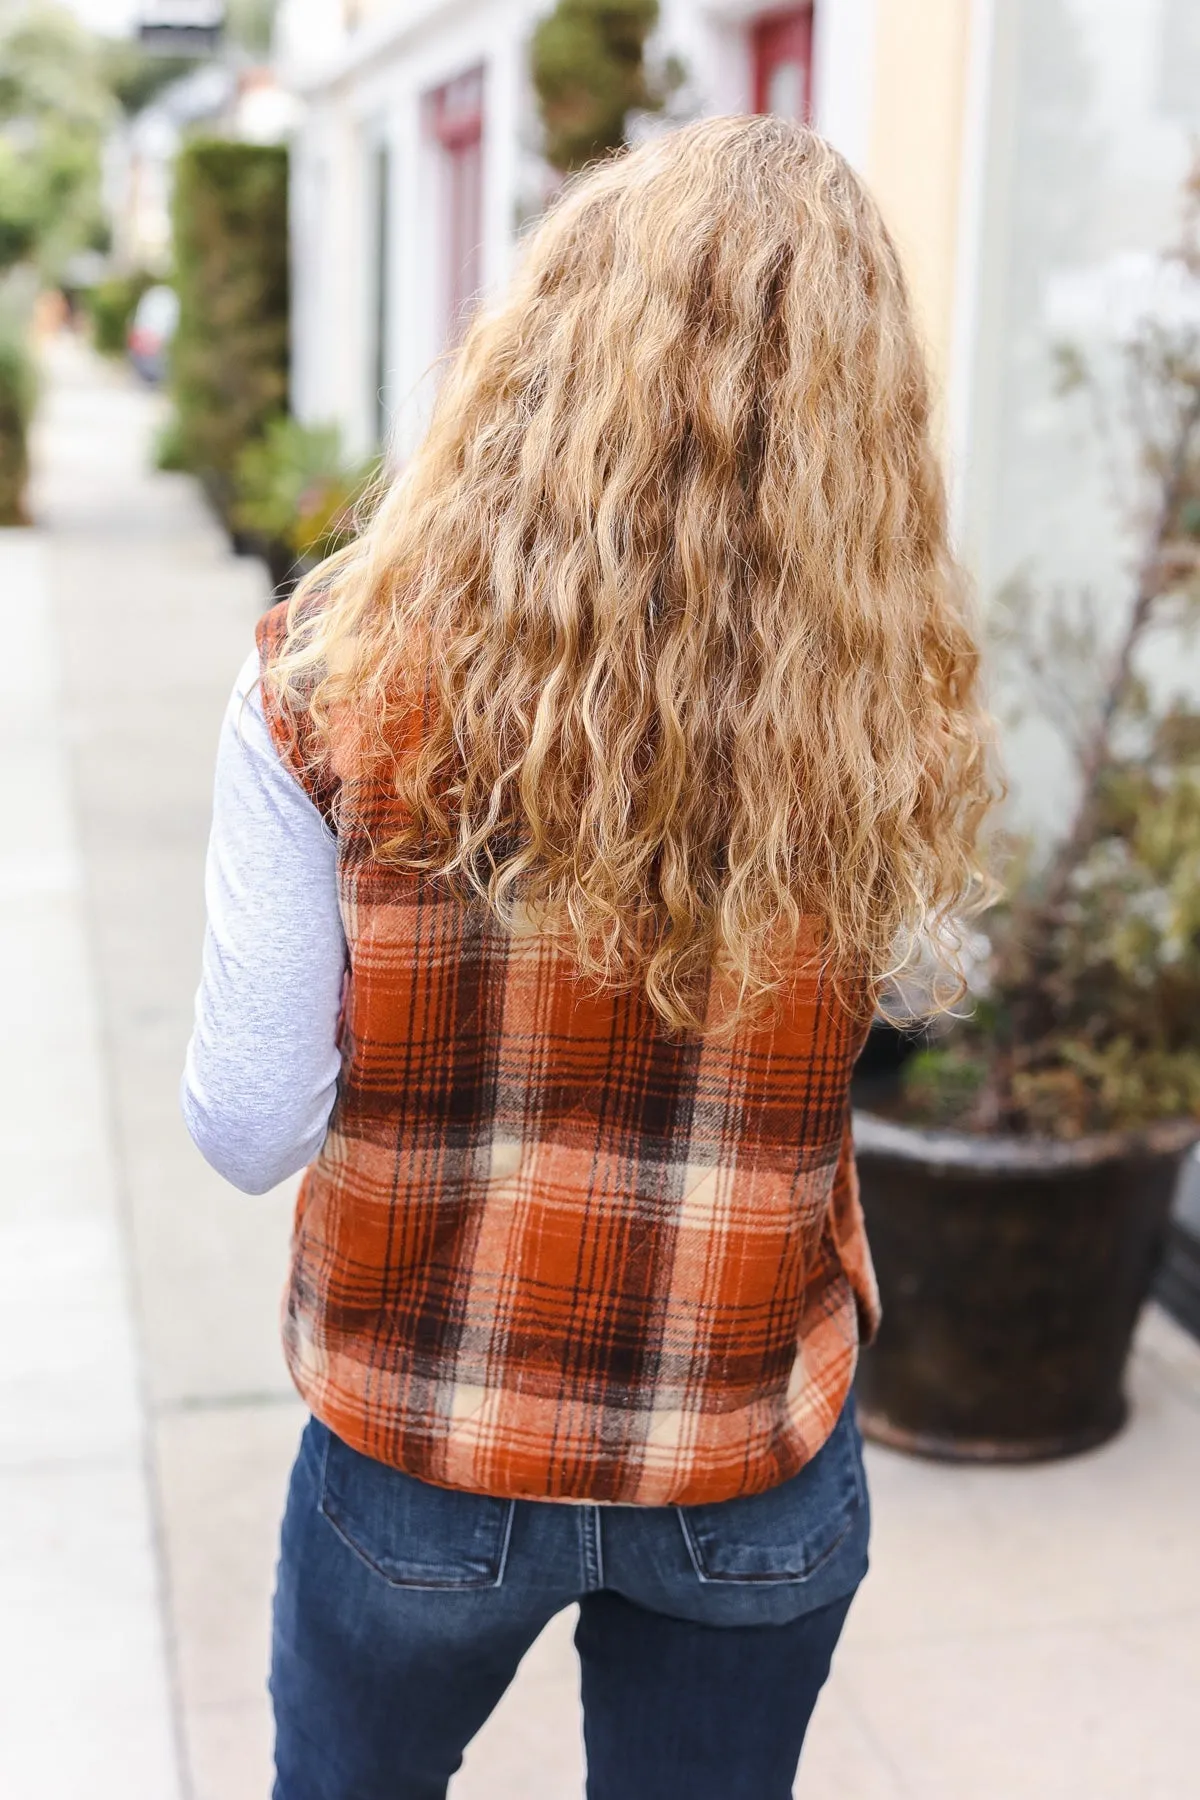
(229, 360)
(18, 391)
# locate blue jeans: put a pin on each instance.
(705, 1632)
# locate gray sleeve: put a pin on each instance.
(262, 1065)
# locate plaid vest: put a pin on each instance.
(548, 1251)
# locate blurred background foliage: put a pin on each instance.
(18, 393)
(229, 361)
(249, 25)
(110, 305)
(299, 494)
(55, 107)
(590, 73)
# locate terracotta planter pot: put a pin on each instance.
(1012, 1273)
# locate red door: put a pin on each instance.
(455, 115)
(781, 43)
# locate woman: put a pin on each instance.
(567, 826)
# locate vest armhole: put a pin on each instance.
(286, 730)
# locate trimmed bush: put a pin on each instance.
(111, 305)
(18, 392)
(229, 359)
(588, 64)
(168, 456)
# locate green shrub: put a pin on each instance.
(56, 113)
(297, 492)
(18, 207)
(111, 305)
(168, 453)
(229, 359)
(588, 63)
(18, 392)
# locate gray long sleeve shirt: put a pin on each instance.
(262, 1065)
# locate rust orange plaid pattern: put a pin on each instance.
(548, 1251)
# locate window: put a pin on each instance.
(455, 122)
(781, 44)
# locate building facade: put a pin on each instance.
(1029, 156)
(417, 160)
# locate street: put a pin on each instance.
(1029, 1634)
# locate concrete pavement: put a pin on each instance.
(1024, 1635)
(82, 1670)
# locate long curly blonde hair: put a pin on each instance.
(668, 585)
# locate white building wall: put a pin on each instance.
(844, 76)
(378, 91)
(317, 258)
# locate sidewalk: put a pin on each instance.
(1025, 1634)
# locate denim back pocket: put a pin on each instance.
(791, 1532)
(413, 1534)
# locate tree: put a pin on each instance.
(54, 110)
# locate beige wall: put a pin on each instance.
(915, 154)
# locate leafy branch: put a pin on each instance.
(1089, 1021)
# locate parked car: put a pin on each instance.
(151, 330)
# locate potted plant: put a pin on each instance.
(1017, 1172)
(296, 496)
